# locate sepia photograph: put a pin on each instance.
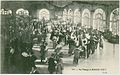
(59, 37)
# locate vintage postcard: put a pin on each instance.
(59, 36)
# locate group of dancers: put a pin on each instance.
(82, 42)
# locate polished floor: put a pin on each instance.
(104, 60)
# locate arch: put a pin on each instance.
(76, 16)
(99, 19)
(114, 21)
(65, 15)
(26, 12)
(44, 13)
(5, 12)
(86, 18)
(99, 11)
(22, 11)
(70, 15)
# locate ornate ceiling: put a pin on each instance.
(59, 4)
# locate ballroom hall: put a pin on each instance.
(59, 37)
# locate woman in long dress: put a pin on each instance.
(59, 67)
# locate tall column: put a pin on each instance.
(107, 19)
(91, 18)
(80, 17)
(14, 11)
(81, 11)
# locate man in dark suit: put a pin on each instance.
(43, 50)
(51, 64)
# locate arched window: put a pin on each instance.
(70, 15)
(76, 16)
(22, 11)
(44, 13)
(99, 19)
(114, 21)
(86, 18)
(65, 15)
(26, 12)
(5, 12)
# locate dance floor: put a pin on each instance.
(104, 60)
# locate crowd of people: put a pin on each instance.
(82, 43)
